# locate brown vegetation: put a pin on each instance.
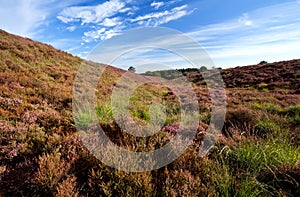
(42, 155)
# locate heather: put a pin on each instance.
(42, 154)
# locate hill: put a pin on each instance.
(42, 155)
(284, 75)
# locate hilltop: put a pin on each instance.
(42, 155)
(284, 75)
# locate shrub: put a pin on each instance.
(239, 118)
(67, 188)
(285, 179)
(183, 183)
(111, 182)
(52, 168)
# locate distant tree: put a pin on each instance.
(131, 69)
(263, 62)
(203, 68)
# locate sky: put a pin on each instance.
(232, 32)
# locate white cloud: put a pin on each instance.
(21, 17)
(125, 10)
(103, 34)
(157, 5)
(273, 33)
(111, 22)
(156, 46)
(93, 35)
(245, 20)
(71, 28)
(26, 18)
(158, 18)
(65, 19)
(91, 14)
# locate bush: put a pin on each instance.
(52, 168)
(111, 182)
(67, 188)
(183, 183)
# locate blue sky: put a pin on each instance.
(232, 32)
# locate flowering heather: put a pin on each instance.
(42, 154)
(171, 128)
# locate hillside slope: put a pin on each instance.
(36, 82)
(284, 75)
(42, 155)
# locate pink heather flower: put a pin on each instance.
(171, 128)
(13, 153)
(17, 101)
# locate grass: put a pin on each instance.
(241, 166)
(266, 126)
(291, 113)
(104, 113)
(84, 118)
(255, 156)
(263, 87)
(269, 107)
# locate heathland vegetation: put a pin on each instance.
(41, 154)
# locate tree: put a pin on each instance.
(263, 62)
(203, 68)
(131, 69)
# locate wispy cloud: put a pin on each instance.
(245, 20)
(102, 34)
(91, 14)
(111, 22)
(159, 18)
(268, 33)
(71, 28)
(156, 46)
(157, 5)
(109, 19)
(25, 18)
